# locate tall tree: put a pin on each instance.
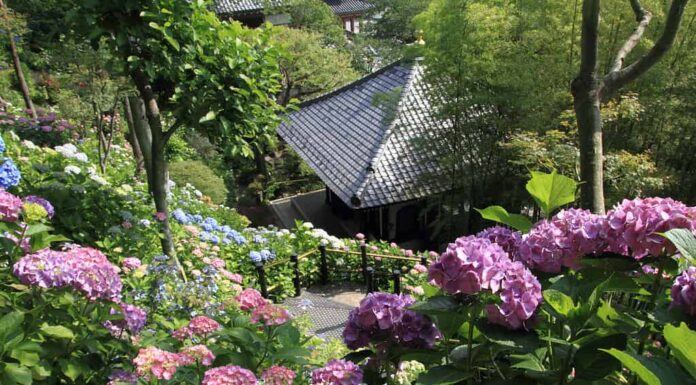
(15, 60)
(589, 89)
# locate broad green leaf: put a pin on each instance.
(73, 368)
(443, 375)
(10, 323)
(682, 340)
(500, 215)
(172, 41)
(25, 358)
(559, 302)
(631, 362)
(57, 332)
(527, 362)
(685, 242)
(551, 191)
(591, 363)
(208, 117)
(512, 339)
(16, 374)
(436, 305)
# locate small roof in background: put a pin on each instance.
(232, 7)
(372, 142)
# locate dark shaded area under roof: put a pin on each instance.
(372, 142)
(232, 7)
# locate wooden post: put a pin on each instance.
(396, 276)
(370, 280)
(324, 268)
(296, 279)
(363, 259)
(424, 260)
(262, 279)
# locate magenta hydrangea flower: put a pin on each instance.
(269, 314)
(10, 207)
(43, 203)
(203, 326)
(157, 363)
(181, 333)
(229, 375)
(250, 299)
(469, 265)
(131, 263)
(134, 319)
(337, 372)
(278, 375)
(684, 291)
(83, 268)
(384, 317)
(520, 295)
(635, 225)
(504, 237)
(198, 353)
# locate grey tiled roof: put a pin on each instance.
(340, 7)
(372, 141)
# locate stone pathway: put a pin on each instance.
(327, 306)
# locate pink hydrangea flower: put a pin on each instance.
(506, 238)
(203, 326)
(157, 363)
(684, 291)
(10, 207)
(635, 225)
(520, 295)
(232, 277)
(269, 314)
(337, 372)
(160, 216)
(250, 299)
(469, 265)
(199, 353)
(360, 236)
(181, 333)
(278, 375)
(131, 263)
(218, 263)
(229, 375)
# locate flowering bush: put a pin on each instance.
(47, 130)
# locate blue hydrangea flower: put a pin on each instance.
(9, 174)
(255, 256)
(259, 239)
(180, 216)
(209, 224)
(214, 239)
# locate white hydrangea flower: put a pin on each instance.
(171, 184)
(308, 225)
(29, 144)
(72, 170)
(81, 156)
(98, 179)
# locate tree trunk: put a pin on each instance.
(142, 133)
(18, 65)
(133, 139)
(587, 110)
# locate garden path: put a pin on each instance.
(327, 306)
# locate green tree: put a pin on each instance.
(312, 15)
(589, 89)
(9, 25)
(190, 70)
(392, 20)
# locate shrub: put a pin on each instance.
(201, 177)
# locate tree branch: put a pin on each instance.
(643, 18)
(588, 48)
(617, 79)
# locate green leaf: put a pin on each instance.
(295, 355)
(551, 191)
(559, 302)
(73, 368)
(685, 242)
(10, 323)
(443, 375)
(500, 215)
(208, 117)
(436, 305)
(25, 358)
(57, 332)
(17, 374)
(682, 340)
(172, 41)
(593, 364)
(633, 363)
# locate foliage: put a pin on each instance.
(201, 177)
(392, 20)
(313, 16)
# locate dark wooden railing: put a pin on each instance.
(368, 272)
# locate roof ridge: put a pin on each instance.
(350, 85)
(390, 129)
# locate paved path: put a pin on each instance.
(327, 306)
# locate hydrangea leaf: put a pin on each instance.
(682, 341)
(653, 370)
(443, 375)
(635, 365)
(559, 302)
(551, 191)
(57, 331)
(685, 242)
(15, 374)
(592, 364)
(500, 215)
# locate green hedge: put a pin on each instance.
(201, 177)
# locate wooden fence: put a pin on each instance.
(368, 272)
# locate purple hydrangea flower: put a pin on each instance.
(563, 240)
(684, 291)
(43, 203)
(635, 225)
(121, 377)
(383, 317)
(134, 319)
(469, 265)
(520, 295)
(83, 268)
(9, 174)
(504, 237)
(337, 372)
